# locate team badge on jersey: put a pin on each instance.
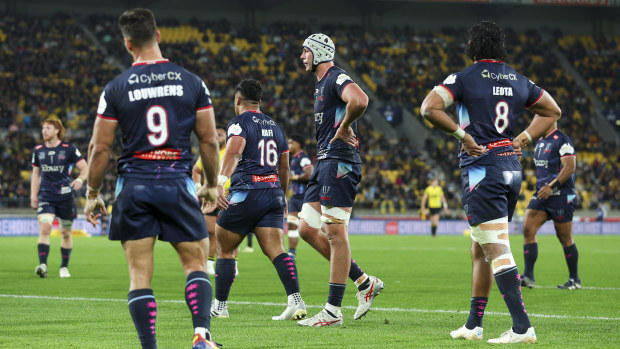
(450, 80)
(234, 130)
(342, 78)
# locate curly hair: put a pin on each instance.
(486, 41)
(250, 89)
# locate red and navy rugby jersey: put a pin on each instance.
(155, 105)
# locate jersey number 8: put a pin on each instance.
(159, 128)
(502, 109)
(268, 152)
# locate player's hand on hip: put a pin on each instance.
(94, 204)
(544, 192)
(516, 144)
(471, 147)
(222, 203)
(34, 202)
(346, 135)
(207, 193)
(77, 184)
(208, 207)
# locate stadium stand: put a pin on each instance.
(61, 73)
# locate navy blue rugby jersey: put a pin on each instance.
(329, 111)
(298, 163)
(547, 157)
(264, 143)
(490, 95)
(155, 105)
(56, 164)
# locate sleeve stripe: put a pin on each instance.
(452, 94)
(286, 151)
(236, 136)
(563, 156)
(306, 166)
(107, 117)
(537, 99)
(205, 108)
(33, 165)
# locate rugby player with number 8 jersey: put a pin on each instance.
(489, 96)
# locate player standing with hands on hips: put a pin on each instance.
(338, 103)
(489, 96)
(155, 194)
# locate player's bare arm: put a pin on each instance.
(305, 176)
(357, 101)
(284, 170)
(569, 163)
(433, 110)
(234, 149)
(35, 184)
(196, 174)
(209, 152)
(83, 167)
(547, 112)
(99, 151)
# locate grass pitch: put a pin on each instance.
(426, 296)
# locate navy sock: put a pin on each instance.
(44, 250)
(143, 310)
(572, 256)
(292, 251)
(509, 284)
(336, 292)
(530, 254)
(250, 235)
(287, 271)
(65, 253)
(224, 277)
(198, 296)
(476, 312)
(433, 230)
(355, 272)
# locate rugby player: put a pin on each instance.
(490, 95)
(256, 162)
(51, 191)
(156, 104)
(338, 103)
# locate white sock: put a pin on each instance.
(332, 309)
(294, 299)
(210, 263)
(203, 332)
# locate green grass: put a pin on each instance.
(426, 296)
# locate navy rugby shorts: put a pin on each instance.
(334, 183)
(166, 208)
(490, 188)
(248, 209)
(559, 208)
(65, 209)
(294, 205)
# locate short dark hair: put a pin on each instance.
(486, 41)
(218, 125)
(250, 89)
(138, 26)
(298, 138)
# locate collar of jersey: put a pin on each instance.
(157, 61)
(489, 61)
(552, 132)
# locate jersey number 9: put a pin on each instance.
(158, 126)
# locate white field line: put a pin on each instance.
(401, 310)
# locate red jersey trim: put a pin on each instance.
(451, 94)
(490, 61)
(38, 146)
(345, 86)
(286, 151)
(151, 62)
(303, 168)
(33, 165)
(552, 132)
(563, 156)
(537, 99)
(107, 117)
(204, 108)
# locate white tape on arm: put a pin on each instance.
(445, 95)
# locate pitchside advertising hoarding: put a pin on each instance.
(28, 226)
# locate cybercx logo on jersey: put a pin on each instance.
(497, 77)
(151, 78)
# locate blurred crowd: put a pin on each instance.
(49, 67)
